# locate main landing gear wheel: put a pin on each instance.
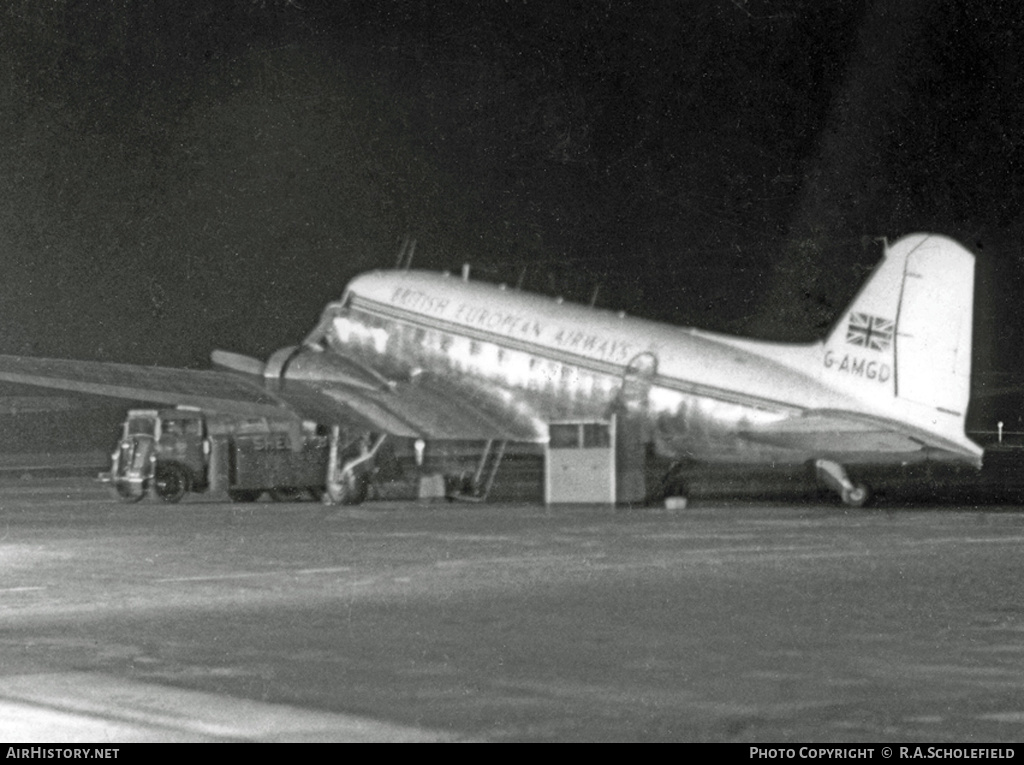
(350, 488)
(170, 483)
(349, 467)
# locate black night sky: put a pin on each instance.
(209, 173)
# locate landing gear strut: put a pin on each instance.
(835, 475)
(348, 480)
(477, 488)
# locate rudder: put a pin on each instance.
(935, 325)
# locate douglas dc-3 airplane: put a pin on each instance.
(431, 356)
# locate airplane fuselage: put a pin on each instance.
(698, 394)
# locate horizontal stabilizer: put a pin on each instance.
(840, 434)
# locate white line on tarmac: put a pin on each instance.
(1004, 717)
(255, 574)
(82, 707)
(965, 540)
(217, 577)
(509, 559)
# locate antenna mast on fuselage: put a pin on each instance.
(405, 253)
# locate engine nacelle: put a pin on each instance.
(303, 363)
(315, 366)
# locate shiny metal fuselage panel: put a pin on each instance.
(506, 350)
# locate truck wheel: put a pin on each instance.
(170, 483)
(244, 495)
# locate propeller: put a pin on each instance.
(237, 362)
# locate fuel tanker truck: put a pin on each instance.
(167, 453)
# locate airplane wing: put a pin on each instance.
(416, 409)
(430, 409)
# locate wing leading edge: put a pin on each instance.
(417, 409)
(218, 391)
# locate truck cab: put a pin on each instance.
(161, 450)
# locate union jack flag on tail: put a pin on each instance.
(869, 331)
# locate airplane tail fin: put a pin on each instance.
(907, 335)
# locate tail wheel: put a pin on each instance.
(170, 483)
(857, 496)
